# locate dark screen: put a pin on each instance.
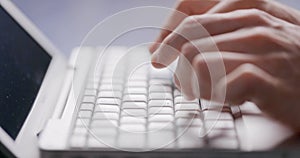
(23, 65)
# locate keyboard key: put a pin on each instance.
(133, 128)
(82, 122)
(250, 108)
(134, 112)
(161, 118)
(109, 101)
(186, 122)
(158, 126)
(135, 83)
(134, 105)
(135, 91)
(90, 92)
(110, 94)
(187, 107)
(160, 110)
(162, 89)
(85, 114)
(78, 141)
(210, 105)
(165, 82)
(177, 93)
(135, 98)
(111, 81)
(80, 131)
(132, 140)
(108, 87)
(161, 139)
(160, 96)
(87, 106)
(217, 115)
(133, 120)
(188, 114)
(217, 133)
(107, 108)
(105, 116)
(104, 123)
(189, 138)
(160, 103)
(89, 99)
(101, 142)
(102, 132)
(224, 143)
(181, 99)
(219, 124)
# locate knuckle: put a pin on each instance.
(190, 20)
(248, 71)
(187, 49)
(261, 33)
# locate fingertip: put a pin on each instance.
(153, 47)
(155, 63)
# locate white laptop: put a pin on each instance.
(110, 102)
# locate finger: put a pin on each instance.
(182, 10)
(198, 27)
(247, 83)
(211, 67)
(257, 40)
(272, 7)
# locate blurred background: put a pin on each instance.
(66, 22)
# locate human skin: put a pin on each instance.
(259, 43)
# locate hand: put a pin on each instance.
(259, 41)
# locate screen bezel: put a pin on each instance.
(26, 143)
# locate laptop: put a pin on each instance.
(110, 102)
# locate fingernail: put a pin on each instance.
(155, 62)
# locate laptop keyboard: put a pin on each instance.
(143, 110)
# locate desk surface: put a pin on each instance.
(67, 22)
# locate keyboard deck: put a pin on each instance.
(140, 109)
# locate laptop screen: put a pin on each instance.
(23, 65)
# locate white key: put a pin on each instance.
(80, 131)
(105, 116)
(90, 92)
(107, 108)
(215, 133)
(77, 141)
(181, 99)
(161, 139)
(160, 96)
(206, 105)
(157, 126)
(107, 87)
(110, 94)
(219, 124)
(249, 108)
(135, 91)
(187, 107)
(186, 122)
(135, 98)
(189, 138)
(100, 142)
(161, 118)
(137, 84)
(224, 143)
(82, 122)
(92, 85)
(162, 89)
(87, 106)
(102, 132)
(165, 82)
(85, 114)
(89, 99)
(111, 81)
(132, 140)
(134, 105)
(177, 93)
(160, 103)
(187, 114)
(134, 128)
(160, 73)
(104, 123)
(133, 120)
(217, 115)
(161, 110)
(109, 101)
(134, 112)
